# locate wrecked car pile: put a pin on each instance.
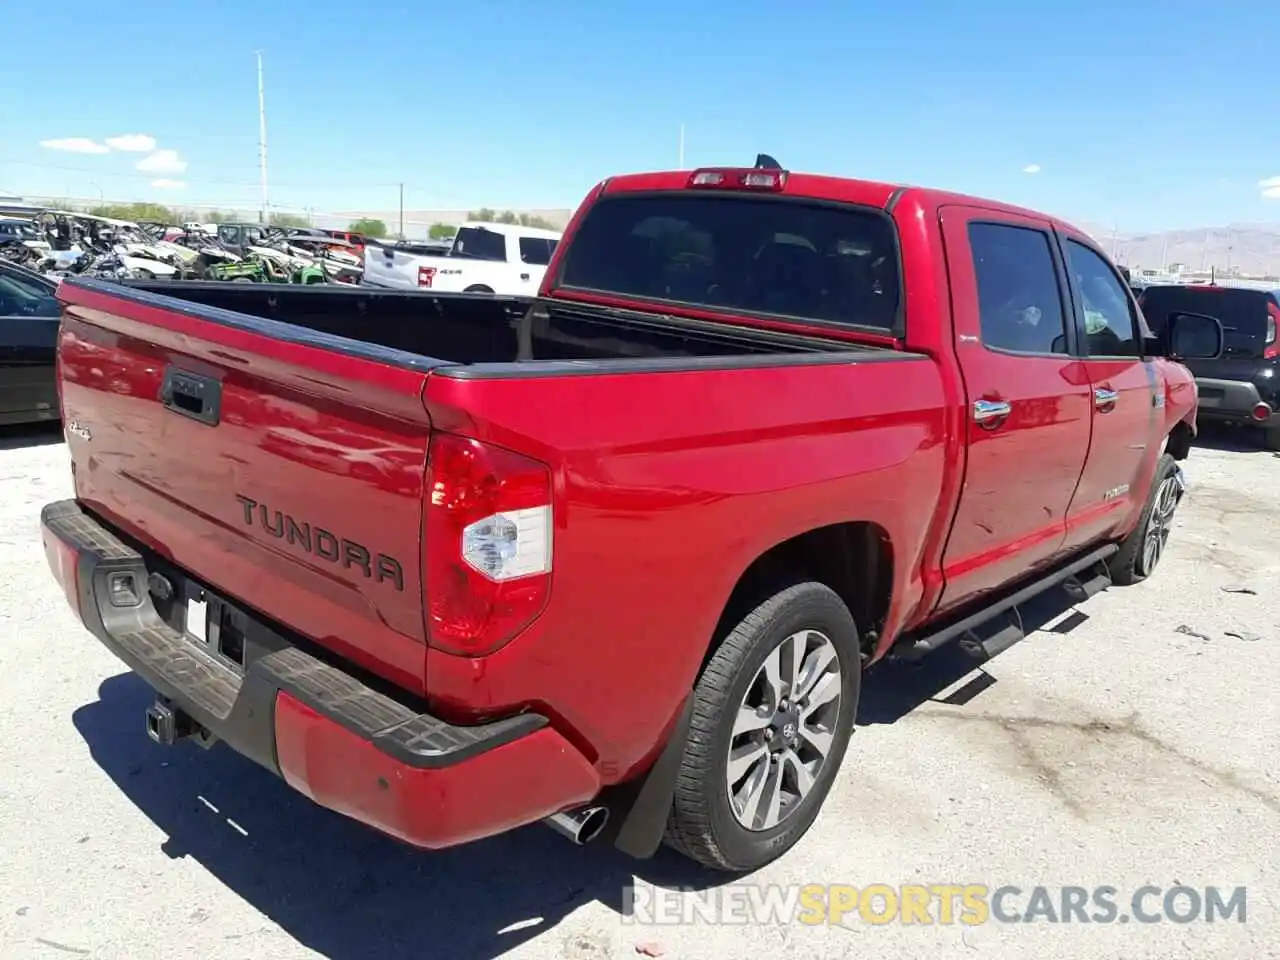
(59, 243)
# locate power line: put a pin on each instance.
(102, 175)
(428, 197)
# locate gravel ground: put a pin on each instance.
(1132, 740)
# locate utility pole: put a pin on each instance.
(681, 146)
(402, 211)
(262, 142)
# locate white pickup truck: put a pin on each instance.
(483, 258)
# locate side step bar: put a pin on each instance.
(917, 646)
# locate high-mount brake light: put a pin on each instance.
(706, 178)
(488, 544)
(728, 179)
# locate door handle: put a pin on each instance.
(991, 411)
(1104, 400)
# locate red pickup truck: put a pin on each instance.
(614, 557)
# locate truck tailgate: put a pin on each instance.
(281, 468)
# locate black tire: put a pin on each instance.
(1271, 438)
(702, 825)
(1129, 565)
(478, 288)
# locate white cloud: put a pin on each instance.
(1270, 188)
(75, 145)
(162, 161)
(1031, 168)
(163, 184)
(132, 143)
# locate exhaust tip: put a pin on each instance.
(581, 825)
(1262, 412)
(595, 822)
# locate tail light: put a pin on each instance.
(426, 275)
(733, 179)
(1270, 348)
(488, 544)
(64, 561)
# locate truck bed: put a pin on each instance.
(480, 330)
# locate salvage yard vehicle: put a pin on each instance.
(79, 241)
(480, 258)
(28, 341)
(613, 558)
(1243, 385)
(335, 258)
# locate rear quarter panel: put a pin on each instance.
(668, 485)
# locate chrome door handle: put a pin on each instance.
(986, 411)
(1104, 399)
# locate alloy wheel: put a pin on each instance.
(1159, 525)
(784, 730)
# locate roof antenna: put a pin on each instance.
(766, 162)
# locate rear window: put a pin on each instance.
(1243, 313)
(476, 243)
(753, 254)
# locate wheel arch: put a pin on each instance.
(854, 558)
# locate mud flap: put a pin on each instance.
(640, 809)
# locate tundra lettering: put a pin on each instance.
(321, 543)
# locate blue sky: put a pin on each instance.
(1146, 115)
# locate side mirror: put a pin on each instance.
(1193, 336)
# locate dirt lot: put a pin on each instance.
(1134, 740)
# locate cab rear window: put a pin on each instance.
(748, 254)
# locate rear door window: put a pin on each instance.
(749, 254)
(1019, 300)
(1243, 313)
(21, 296)
(536, 250)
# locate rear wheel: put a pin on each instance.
(1141, 551)
(1271, 437)
(773, 712)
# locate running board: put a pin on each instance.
(914, 647)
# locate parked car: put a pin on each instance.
(1243, 385)
(480, 258)
(28, 342)
(614, 558)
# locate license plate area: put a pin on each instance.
(220, 627)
